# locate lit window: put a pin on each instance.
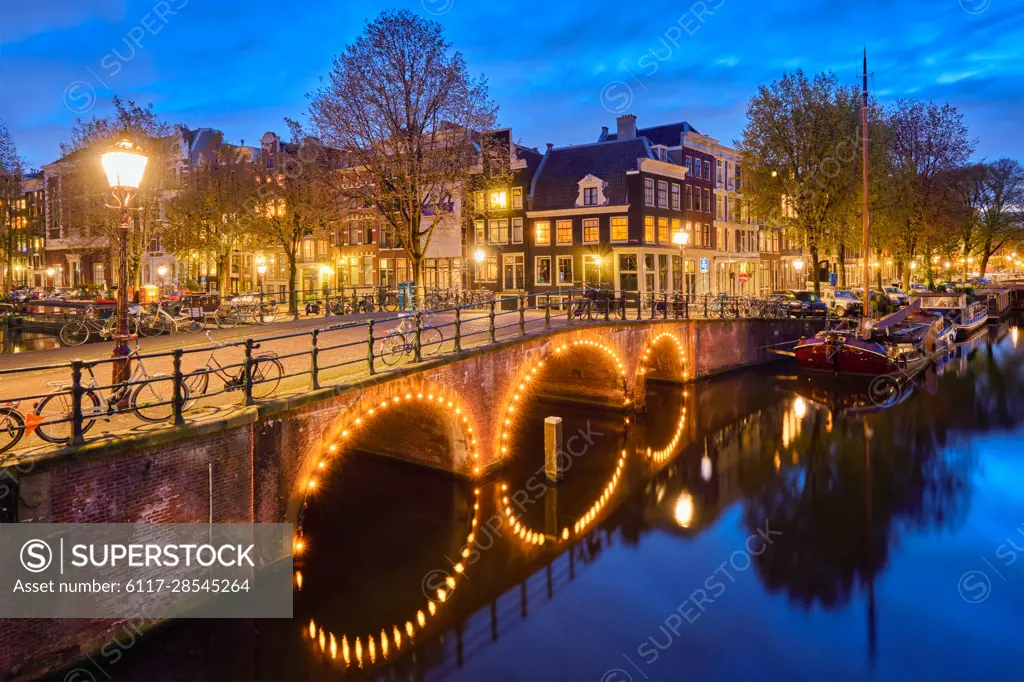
(663, 230)
(620, 228)
(517, 197)
(565, 270)
(480, 237)
(591, 231)
(499, 199)
(499, 231)
(543, 232)
(563, 230)
(543, 274)
(649, 229)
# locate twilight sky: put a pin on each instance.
(558, 70)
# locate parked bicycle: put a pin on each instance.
(161, 321)
(401, 341)
(15, 425)
(149, 398)
(77, 331)
(267, 371)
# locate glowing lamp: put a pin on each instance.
(681, 238)
(798, 265)
(479, 255)
(124, 165)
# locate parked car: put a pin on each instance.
(897, 295)
(802, 303)
(845, 303)
(918, 288)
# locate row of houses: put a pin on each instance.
(607, 212)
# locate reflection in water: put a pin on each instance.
(871, 513)
(17, 341)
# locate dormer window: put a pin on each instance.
(592, 192)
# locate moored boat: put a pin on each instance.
(904, 342)
(966, 317)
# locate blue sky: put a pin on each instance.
(558, 70)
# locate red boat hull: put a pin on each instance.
(851, 357)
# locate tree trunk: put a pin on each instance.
(984, 263)
(222, 280)
(905, 276)
(813, 270)
(293, 275)
(842, 266)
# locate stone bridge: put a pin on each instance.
(452, 413)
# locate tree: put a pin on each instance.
(207, 218)
(85, 187)
(799, 137)
(923, 145)
(996, 198)
(406, 118)
(292, 199)
(11, 171)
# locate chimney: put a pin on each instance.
(604, 131)
(626, 127)
(550, 146)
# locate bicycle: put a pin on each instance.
(160, 322)
(77, 331)
(267, 371)
(15, 425)
(401, 339)
(146, 401)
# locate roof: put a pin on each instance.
(556, 184)
(667, 135)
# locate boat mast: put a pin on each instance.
(864, 198)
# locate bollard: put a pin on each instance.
(417, 345)
(458, 329)
(178, 402)
(522, 315)
(551, 513)
(552, 446)
(491, 316)
(77, 391)
(314, 360)
(369, 346)
(547, 311)
(247, 373)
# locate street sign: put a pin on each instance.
(705, 266)
(744, 278)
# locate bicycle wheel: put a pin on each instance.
(430, 341)
(152, 401)
(56, 411)
(226, 317)
(266, 377)
(392, 348)
(389, 303)
(265, 314)
(12, 428)
(74, 333)
(198, 382)
(190, 326)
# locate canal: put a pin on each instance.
(764, 525)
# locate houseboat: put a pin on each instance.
(968, 318)
(998, 300)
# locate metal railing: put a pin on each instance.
(337, 354)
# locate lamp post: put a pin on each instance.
(161, 271)
(479, 256)
(798, 265)
(124, 166)
(49, 273)
(682, 238)
(261, 270)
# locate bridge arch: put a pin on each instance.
(441, 411)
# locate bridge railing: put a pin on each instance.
(165, 387)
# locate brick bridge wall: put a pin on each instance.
(257, 465)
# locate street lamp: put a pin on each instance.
(162, 270)
(261, 270)
(124, 166)
(798, 265)
(682, 238)
(479, 255)
(49, 273)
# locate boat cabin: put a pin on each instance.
(997, 299)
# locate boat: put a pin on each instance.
(998, 301)
(966, 317)
(903, 342)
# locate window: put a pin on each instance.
(542, 270)
(620, 228)
(486, 271)
(707, 170)
(307, 249)
(718, 198)
(517, 230)
(649, 191)
(514, 272)
(662, 194)
(718, 171)
(565, 270)
(689, 197)
(663, 231)
(694, 238)
(688, 162)
(517, 197)
(675, 198)
(591, 231)
(707, 235)
(741, 240)
(649, 229)
(628, 280)
(499, 199)
(369, 237)
(739, 184)
(563, 231)
(499, 231)
(590, 196)
(677, 226)
(725, 208)
(479, 227)
(696, 199)
(707, 201)
(478, 199)
(543, 233)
